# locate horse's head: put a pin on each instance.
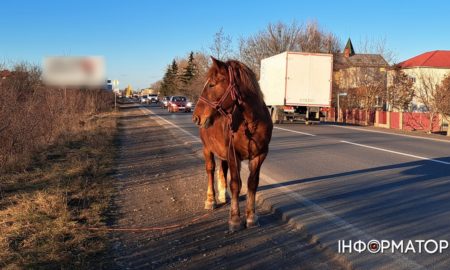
(214, 93)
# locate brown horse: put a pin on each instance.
(235, 125)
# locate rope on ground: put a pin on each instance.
(146, 229)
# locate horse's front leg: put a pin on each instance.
(252, 186)
(222, 183)
(210, 163)
(235, 187)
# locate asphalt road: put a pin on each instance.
(347, 183)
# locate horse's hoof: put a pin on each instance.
(252, 224)
(210, 205)
(235, 226)
(224, 199)
(252, 221)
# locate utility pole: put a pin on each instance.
(338, 107)
(337, 113)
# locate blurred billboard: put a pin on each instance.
(68, 71)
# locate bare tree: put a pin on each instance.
(443, 100)
(377, 46)
(400, 92)
(427, 92)
(156, 85)
(365, 87)
(316, 40)
(281, 37)
(221, 47)
(276, 38)
(372, 90)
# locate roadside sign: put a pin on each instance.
(74, 71)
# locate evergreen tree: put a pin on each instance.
(169, 85)
(174, 68)
(165, 83)
(189, 71)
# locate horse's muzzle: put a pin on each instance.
(198, 122)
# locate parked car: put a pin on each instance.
(165, 101)
(144, 99)
(153, 98)
(179, 103)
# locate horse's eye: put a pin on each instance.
(211, 85)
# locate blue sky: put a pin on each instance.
(140, 38)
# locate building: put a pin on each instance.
(4, 74)
(426, 70)
(148, 91)
(359, 76)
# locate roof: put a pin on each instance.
(4, 73)
(436, 59)
(349, 46)
(359, 60)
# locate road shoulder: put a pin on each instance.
(161, 183)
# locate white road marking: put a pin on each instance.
(195, 138)
(301, 199)
(294, 131)
(355, 232)
(395, 134)
(398, 153)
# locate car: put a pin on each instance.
(179, 103)
(165, 102)
(144, 99)
(153, 98)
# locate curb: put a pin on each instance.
(326, 241)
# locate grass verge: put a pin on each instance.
(44, 209)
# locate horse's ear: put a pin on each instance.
(219, 65)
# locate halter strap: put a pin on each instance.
(232, 91)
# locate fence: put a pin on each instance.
(421, 121)
(353, 116)
(395, 120)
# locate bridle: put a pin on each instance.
(233, 91)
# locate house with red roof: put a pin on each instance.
(426, 70)
(434, 59)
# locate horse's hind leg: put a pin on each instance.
(252, 185)
(235, 187)
(210, 163)
(222, 183)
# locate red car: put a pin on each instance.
(179, 103)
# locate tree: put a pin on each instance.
(156, 85)
(281, 37)
(129, 91)
(315, 40)
(169, 85)
(427, 93)
(221, 47)
(189, 71)
(275, 39)
(443, 100)
(400, 92)
(377, 46)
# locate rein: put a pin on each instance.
(232, 91)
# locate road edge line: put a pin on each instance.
(262, 199)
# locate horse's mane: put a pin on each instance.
(246, 80)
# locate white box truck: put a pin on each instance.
(296, 85)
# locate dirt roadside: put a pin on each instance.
(161, 182)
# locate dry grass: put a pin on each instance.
(43, 211)
(34, 115)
